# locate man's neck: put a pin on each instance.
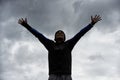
(59, 42)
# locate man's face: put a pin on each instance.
(59, 36)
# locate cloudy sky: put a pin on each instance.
(95, 57)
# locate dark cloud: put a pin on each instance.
(42, 15)
(3, 1)
(47, 16)
(116, 3)
(103, 8)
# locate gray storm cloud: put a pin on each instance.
(23, 57)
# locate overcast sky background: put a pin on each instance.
(95, 57)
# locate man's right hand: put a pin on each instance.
(23, 22)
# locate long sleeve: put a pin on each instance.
(75, 39)
(45, 41)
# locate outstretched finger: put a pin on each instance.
(91, 17)
(22, 19)
(25, 19)
(95, 16)
(99, 18)
(19, 21)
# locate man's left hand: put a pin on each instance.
(95, 19)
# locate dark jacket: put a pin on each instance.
(59, 55)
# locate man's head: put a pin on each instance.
(59, 36)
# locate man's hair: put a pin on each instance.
(62, 32)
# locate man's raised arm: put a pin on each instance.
(41, 37)
(75, 39)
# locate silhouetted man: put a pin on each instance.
(59, 51)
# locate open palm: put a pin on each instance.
(95, 19)
(22, 21)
